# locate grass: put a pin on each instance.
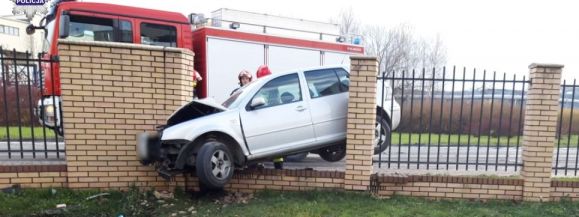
(41, 202)
(418, 138)
(397, 138)
(26, 133)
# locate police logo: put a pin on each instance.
(29, 7)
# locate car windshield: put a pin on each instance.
(234, 100)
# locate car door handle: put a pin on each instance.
(300, 108)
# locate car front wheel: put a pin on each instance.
(214, 164)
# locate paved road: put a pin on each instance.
(407, 166)
(33, 152)
(404, 159)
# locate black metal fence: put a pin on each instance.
(22, 137)
(566, 159)
(455, 120)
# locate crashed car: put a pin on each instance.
(277, 115)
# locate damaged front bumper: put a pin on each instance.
(148, 147)
(151, 150)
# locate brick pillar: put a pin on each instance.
(361, 121)
(539, 131)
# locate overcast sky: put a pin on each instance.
(502, 36)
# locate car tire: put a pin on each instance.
(214, 164)
(333, 153)
(296, 157)
(384, 131)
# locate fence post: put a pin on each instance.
(361, 122)
(539, 130)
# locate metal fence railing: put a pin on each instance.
(22, 137)
(455, 120)
(566, 159)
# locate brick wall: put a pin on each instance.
(286, 180)
(480, 188)
(113, 91)
(110, 93)
(361, 121)
(33, 176)
(564, 189)
(450, 187)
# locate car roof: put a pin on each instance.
(285, 72)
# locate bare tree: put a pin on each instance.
(398, 49)
(348, 23)
(393, 47)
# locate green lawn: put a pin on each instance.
(406, 139)
(313, 203)
(397, 138)
(26, 133)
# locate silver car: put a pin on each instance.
(278, 115)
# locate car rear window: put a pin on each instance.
(324, 82)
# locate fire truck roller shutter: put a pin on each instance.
(287, 58)
(333, 58)
(225, 59)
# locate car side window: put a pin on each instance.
(322, 82)
(344, 78)
(280, 91)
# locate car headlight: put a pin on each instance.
(49, 115)
(49, 110)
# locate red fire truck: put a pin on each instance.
(221, 47)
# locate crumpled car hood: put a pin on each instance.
(193, 110)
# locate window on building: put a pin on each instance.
(9, 30)
(126, 31)
(91, 28)
(161, 35)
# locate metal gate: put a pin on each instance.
(455, 120)
(22, 137)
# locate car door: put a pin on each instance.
(328, 90)
(283, 123)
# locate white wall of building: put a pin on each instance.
(19, 41)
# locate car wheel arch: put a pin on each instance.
(194, 146)
(383, 113)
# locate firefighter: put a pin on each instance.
(196, 80)
(244, 78)
(261, 72)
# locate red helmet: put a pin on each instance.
(245, 73)
(262, 71)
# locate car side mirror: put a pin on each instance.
(257, 102)
(64, 29)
